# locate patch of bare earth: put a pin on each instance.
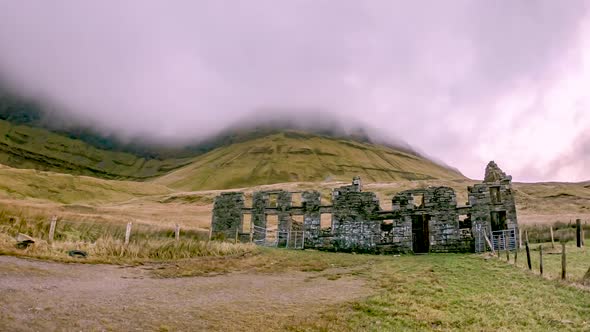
(47, 296)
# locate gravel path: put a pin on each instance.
(47, 296)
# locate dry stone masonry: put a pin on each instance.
(420, 220)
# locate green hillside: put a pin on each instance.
(29, 147)
(27, 184)
(294, 156)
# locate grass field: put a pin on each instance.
(457, 292)
(442, 292)
(430, 292)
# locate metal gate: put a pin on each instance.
(501, 240)
(504, 239)
(279, 239)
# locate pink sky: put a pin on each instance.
(463, 81)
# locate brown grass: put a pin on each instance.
(104, 242)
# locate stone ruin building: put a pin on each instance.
(420, 220)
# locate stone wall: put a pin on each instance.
(421, 220)
(438, 211)
(494, 196)
(227, 215)
(353, 221)
(311, 203)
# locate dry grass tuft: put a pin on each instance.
(104, 242)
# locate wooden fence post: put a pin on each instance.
(515, 256)
(251, 231)
(177, 232)
(526, 236)
(563, 261)
(541, 259)
(520, 238)
(579, 233)
(489, 243)
(528, 255)
(128, 233)
(552, 241)
(52, 226)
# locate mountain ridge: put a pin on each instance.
(271, 151)
(293, 156)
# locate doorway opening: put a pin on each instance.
(272, 227)
(420, 233)
(247, 223)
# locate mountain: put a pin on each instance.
(279, 150)
(297, 156)
(23, 146)
(248, 158)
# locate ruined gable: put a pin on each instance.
(493, 173)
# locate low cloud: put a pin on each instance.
(463, 81)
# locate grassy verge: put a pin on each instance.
(104, 242)
(578, 261)
(457, 292)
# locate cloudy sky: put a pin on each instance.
(463, 81)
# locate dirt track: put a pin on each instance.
(46, 296)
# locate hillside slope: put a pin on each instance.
(295, 156)
(28, 147)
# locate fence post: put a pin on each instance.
(579, 233)
(210, 232)
(507, 249)
(177, 232)
(237, 234)
(303, 238)
(552, 240)
(541, 259)
(251, 231)
(526, 236)
(528, 255)
(128, 233)
(490, 244)
(563, 261)
(519, 238)
(52, 226)
(515, 256)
